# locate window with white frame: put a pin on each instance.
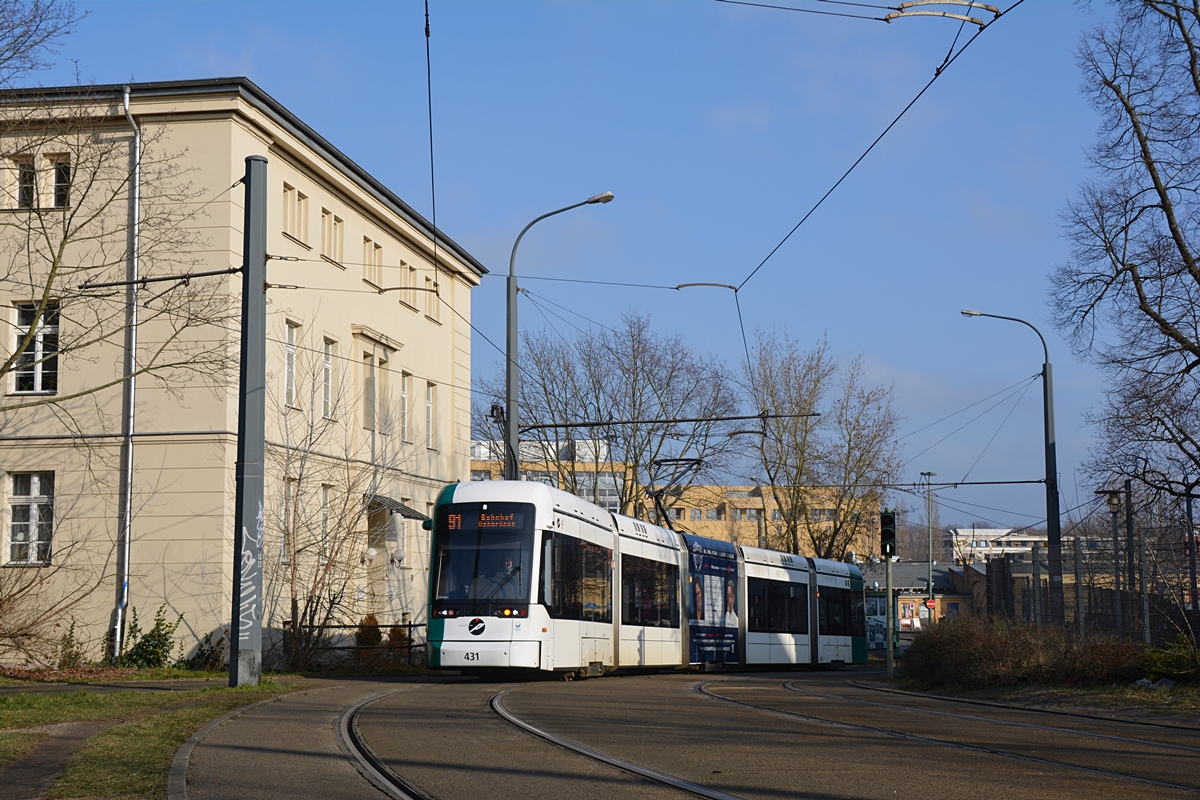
(382, 401)
(25, 185)
(31, 517)
(430, 414)
(433, 304)
(288, 519)
(405, 391)
(372, 262)
(36, 366)
(368, 391)
(323, 549)
(60, 170)
(408, 279)
(332, 229)
(327, 379)
(289, 365)
(295, 213)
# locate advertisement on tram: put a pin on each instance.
(712, 600)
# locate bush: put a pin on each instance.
(368, 633)
(151, 649)
(972, 653)
(70, 654)
(209, 656)
(1179, 662)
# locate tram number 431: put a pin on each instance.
(470, 656)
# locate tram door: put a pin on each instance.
(577, 593)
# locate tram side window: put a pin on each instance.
(834, 610)
(576, 578)
(649, 593)
(777, 606)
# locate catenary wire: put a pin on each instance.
(998, 429)
(966, 408)
(937, 74)
(805, 10)
(960, 427)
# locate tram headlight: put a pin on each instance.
(445, 612)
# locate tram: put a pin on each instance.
(525, 576)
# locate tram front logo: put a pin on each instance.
(475, 626)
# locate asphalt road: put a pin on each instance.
(827, 740)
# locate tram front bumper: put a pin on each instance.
(473, 654)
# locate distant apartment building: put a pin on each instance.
(982, 544)
(368, 367)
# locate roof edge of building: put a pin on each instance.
(255, 95)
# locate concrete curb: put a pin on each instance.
(177, 777)
(1014, 707)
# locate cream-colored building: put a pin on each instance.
(368, 413)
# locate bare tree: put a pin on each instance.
(825, 472)
(336, 450)
(627, 374)
(1128, 295)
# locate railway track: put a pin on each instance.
(897, 732)
(386, 780)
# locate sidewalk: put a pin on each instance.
(285, 749)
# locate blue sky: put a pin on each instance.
(717, 127)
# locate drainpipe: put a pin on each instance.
(125, 501)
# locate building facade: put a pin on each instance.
(368, 365)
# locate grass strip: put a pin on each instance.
(132, 760)
(15, 745)
(27, 710)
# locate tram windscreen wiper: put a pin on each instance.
(502, 584)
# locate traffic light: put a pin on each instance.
(887, 532)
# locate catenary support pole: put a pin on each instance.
(889, 620)
(1117, 570)
(1130, 546)
(1037, 583)
(1192, 551)
(1145, 587)
(245, 649)
(1078, 586)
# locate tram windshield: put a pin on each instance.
(483, 555)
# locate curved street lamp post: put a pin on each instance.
(511, 423)
(1053, 531)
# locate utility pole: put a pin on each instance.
(245, 647)
(1145, 588)
(1037, 583)
(1130, 545)
(929, 532)
(1078, 586)
(890, 659)
(1191, 531)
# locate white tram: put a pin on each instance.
(526, 576)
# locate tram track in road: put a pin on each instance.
(791, 686)
(655, 776)
(703, 688)
(364, 758)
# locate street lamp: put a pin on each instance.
(1053, 532)
(511, 423)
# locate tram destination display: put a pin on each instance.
(712, 600)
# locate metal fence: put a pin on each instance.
(1014, 591)
(372, 645)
